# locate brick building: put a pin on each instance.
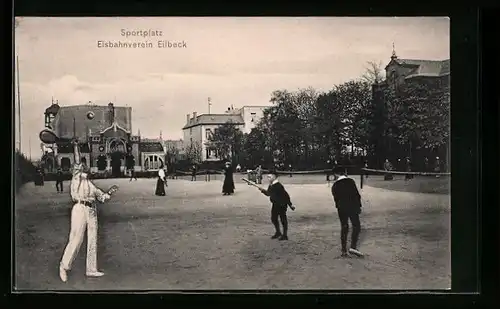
(107, 143)
(430, 73)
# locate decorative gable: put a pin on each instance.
(115, 130)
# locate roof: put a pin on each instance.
(430, 68)
(150, 147)
(63, 122)
(53, 109)
(214, 119)
(258, 106)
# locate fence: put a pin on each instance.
(368, 172)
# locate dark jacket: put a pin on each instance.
(59, 175)
(346, 194)
(278, 195)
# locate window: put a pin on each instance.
(216, 131)
(153, 162)
(253, 115)
(208, 133)
(208, 153)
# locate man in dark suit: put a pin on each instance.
(59, 180)
(280, 200)
(348, 203)
(131, 167)
(193, 172)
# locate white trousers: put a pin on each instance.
(82, 218)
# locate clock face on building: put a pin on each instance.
(101, 148)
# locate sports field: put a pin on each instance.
(195, 238)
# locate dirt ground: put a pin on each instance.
(195, 238)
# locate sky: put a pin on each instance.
(234, 61)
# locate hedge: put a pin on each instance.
(25, 170)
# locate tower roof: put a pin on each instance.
(214, 119)
(52, 109)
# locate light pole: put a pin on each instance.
(18, 102)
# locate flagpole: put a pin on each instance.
(209, 104)
(18, 102)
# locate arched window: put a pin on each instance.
(84, 161)
(153, 162)
(65, 164)
(116, 145)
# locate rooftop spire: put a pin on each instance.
(393, 52)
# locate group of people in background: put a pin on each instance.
(407, 167)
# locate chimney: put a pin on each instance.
(187, 118)
(194, 116)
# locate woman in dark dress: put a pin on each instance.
(160, 184)
(228, 186)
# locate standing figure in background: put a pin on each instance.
(228, 186)
(258, 174)
(426, 164)
(388, 168)
(160, 183)
(408, 169)
(328, 174)
(59, 180)
(437, 166)
(132, 173)
(39, 177)
(348, 203)
(131, 167)
(238, 168)
(366, 167)
(193, 172)
(174, 171)
(290, 169)
(83, 217)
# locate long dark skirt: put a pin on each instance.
(228, 186)
(160, 187)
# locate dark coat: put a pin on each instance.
(278, 195)
(346, 195)
(228, 186)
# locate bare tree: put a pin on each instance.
(193, 152)
(171, 154)
(374, 73)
